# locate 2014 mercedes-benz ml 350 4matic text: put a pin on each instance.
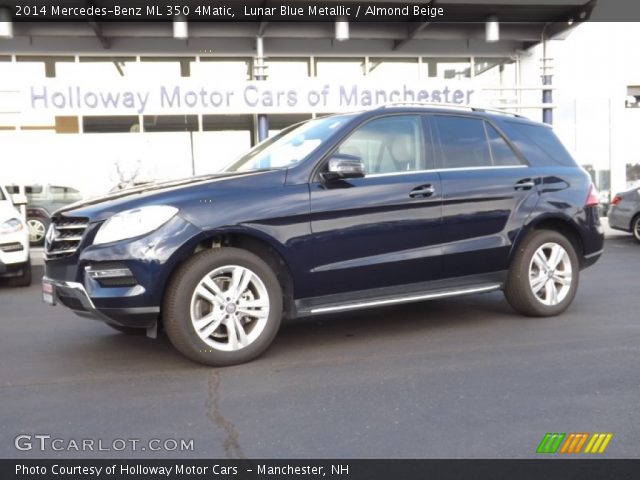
(392, 205)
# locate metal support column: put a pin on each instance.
(547, 80)
(260, 73)
(547, 98)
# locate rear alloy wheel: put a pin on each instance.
(223, 307)
(543, 277)
(635, 228)
(37, 230)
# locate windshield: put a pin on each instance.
(290, 146)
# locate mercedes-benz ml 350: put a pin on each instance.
(352, 211)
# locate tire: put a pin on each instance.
(24, 279)
(128, 330)
(528, 275)
(635, 228)
(37, 230)
(201, 302)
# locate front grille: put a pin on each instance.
(65, 236)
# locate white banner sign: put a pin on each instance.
(200, 97)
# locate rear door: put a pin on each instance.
(382, 230)
(488, 191)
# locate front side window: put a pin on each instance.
(388, 145)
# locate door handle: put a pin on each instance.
(526, 184)
(422, 191)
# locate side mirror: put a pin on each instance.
(19, 199)
(342, 165)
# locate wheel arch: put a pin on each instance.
(264, 246)
(38, 212)
(557, 223)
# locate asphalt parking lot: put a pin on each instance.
(456, 378)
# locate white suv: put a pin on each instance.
(14, 244)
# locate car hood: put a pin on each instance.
(8, 211)
(176, 193)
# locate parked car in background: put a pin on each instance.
(341, 213)
(43, 200)
(14, 243)
(624, 213)
(604, 203)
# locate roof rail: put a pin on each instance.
(450, 105)
(497, 110)
(426, 104)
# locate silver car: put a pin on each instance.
(624, 213)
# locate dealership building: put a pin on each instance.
(99, 104)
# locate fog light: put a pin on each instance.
(115, 273)
(111, 276)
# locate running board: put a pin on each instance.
(403, 299)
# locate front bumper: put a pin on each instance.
(74, 296)
(14, 253)
(121, 283)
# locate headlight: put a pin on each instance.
(133, 223)
(11, 226)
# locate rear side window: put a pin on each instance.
(463, 142)
(539, 144)
(471, 143)
(501, 153)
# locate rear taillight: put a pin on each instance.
(592, 198)
(616, 200)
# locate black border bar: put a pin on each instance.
(301, 11)
(543, 469)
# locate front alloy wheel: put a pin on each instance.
(229, 308)
(223, 307)
(543, 275)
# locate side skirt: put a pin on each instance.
(398, 295)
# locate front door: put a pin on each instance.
(382, 230)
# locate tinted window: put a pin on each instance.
(64, 193)
(1, 195)
(538, 143)
(501, 153)
(388, 145)
(463, 142)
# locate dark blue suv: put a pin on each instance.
(393, 205)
